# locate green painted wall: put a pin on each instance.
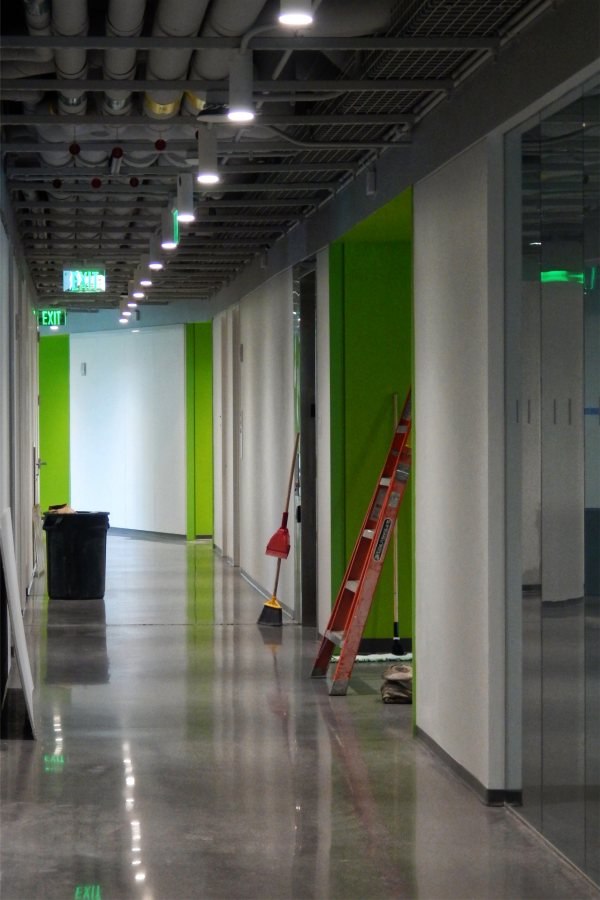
(199, 433)
(371, 359)
(54, 420)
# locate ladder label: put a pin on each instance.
(387, 524)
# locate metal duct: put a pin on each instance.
(180, 19)
(227, 18)
(122, 20)
(70, 19)
(37, 19)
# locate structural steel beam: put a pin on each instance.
(241, 148)
(69, 171)
(209, 204)
(118, 122)
(140, 85)
(160, 189)
(283, 42)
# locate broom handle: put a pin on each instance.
(291, 481)
(394, 538)
(277, 576)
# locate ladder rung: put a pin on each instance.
(401, 429)
(384, 482)
(351, 586)
(402, 472)
(368, 533)
(336, 637)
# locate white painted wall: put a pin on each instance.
(4, 372)
(323, 400)
(128, 427)
(18, 406)
(218, 324)
(267, 437)
(226, 350)
(459, 416)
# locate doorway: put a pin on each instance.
(304, 314)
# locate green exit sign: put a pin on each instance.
(52, 317)
(88, 892)
(84, 281)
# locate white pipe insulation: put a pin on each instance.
(226, 18)
(37, 20)
(180, 19)
(70, 19)
(122, 20)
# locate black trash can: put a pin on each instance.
(76, 554)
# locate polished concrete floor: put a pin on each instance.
(182, 753)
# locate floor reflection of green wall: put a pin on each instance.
(200, 637)
(371, 359)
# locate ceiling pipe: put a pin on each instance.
(181, 19)
(226, 18)
(123, 19)
(70, 19)
(37, 20)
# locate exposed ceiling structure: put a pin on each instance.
(109, 109)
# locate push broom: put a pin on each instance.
(279, 546)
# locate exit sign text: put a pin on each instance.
(52, 317)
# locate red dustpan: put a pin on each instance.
(279, 545)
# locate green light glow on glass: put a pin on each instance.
(84, 281)
(556, 275)
(87, 892)
(175, 226)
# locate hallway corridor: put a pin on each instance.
(184, 754)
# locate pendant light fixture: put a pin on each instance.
(296, 13)
(154, 257)
(241, 108)
(185, 198)
(135, 291)
(144, 279)
(169, 229)
(207, 156)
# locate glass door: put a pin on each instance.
(557, 418)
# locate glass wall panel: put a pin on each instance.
(558, 416)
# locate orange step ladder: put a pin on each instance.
(349, 614)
